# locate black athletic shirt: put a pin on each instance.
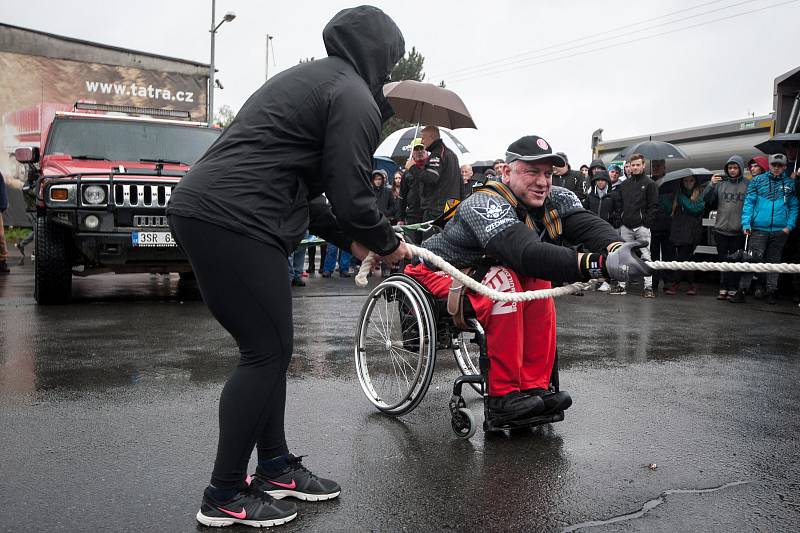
(308, 130)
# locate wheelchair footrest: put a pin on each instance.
(490, 426)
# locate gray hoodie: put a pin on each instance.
(728, 196)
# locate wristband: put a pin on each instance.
(593, 266)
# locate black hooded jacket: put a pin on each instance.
(309, 130)
(604, 206)
(441, 180)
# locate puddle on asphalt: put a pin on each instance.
(648, 506)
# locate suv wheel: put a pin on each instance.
(53, 266)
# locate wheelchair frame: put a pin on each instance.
(432, 329)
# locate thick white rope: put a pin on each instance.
(434, 260)
(782, 268)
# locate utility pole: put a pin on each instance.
(266, 67)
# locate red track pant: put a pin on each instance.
(520, 337)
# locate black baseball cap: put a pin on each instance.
(533, 148)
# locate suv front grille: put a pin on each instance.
(147, 221)
(132, 195)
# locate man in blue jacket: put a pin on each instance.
(769, 214)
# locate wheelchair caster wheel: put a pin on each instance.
(463, 423)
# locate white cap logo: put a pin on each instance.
(541, 143)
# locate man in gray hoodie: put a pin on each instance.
(726, 193)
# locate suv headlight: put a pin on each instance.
(95, 194)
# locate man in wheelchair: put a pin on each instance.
(511, 236)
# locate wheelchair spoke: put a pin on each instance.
(378, 331)
(403, 359)
(415, 354)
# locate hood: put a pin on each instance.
(738, 161)
(60, 165)
(369, 40)
(762, 161)
(601, 175)
(383, 175)
(597, 163)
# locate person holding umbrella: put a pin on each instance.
(726, 194)
(441, 180)
(687, 227)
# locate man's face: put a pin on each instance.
(791, 151)
(377, 180)
(659, 168)
(560, 171)
(498, 168)
(613, 175)
(427, 138)
(627, 169)
(601, 184)
(777, 168)
(466, 173)
(419, 154)
(733, 170)
(637, 166)
(530, 182)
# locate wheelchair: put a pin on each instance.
(400, 329)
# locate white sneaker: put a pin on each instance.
(605, 287)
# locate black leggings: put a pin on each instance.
(243, 282)
(685, 252)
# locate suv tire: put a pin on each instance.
(53, 265)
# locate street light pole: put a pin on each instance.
(210, 112)
(266, 68)
(229, 16)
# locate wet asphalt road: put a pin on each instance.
(108, 418)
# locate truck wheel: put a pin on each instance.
(53, 265)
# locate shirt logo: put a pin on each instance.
(493, 211)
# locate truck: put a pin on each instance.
(99, 189)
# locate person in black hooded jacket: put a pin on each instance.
(245, 205)
(600, 199)
(383, 195)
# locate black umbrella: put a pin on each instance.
(775, 144)
(652, 150)
(672, 180)
(397, 145)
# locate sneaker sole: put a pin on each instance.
(213, 521)
(305, 496)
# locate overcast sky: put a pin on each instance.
(502, 57)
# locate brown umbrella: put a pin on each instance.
(425, 103)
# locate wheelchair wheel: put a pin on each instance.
(463, 423)
(395, 345)
(467, 355)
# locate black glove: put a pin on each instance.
(624, 263)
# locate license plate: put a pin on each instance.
(152, 238)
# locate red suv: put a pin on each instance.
(102, 185)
